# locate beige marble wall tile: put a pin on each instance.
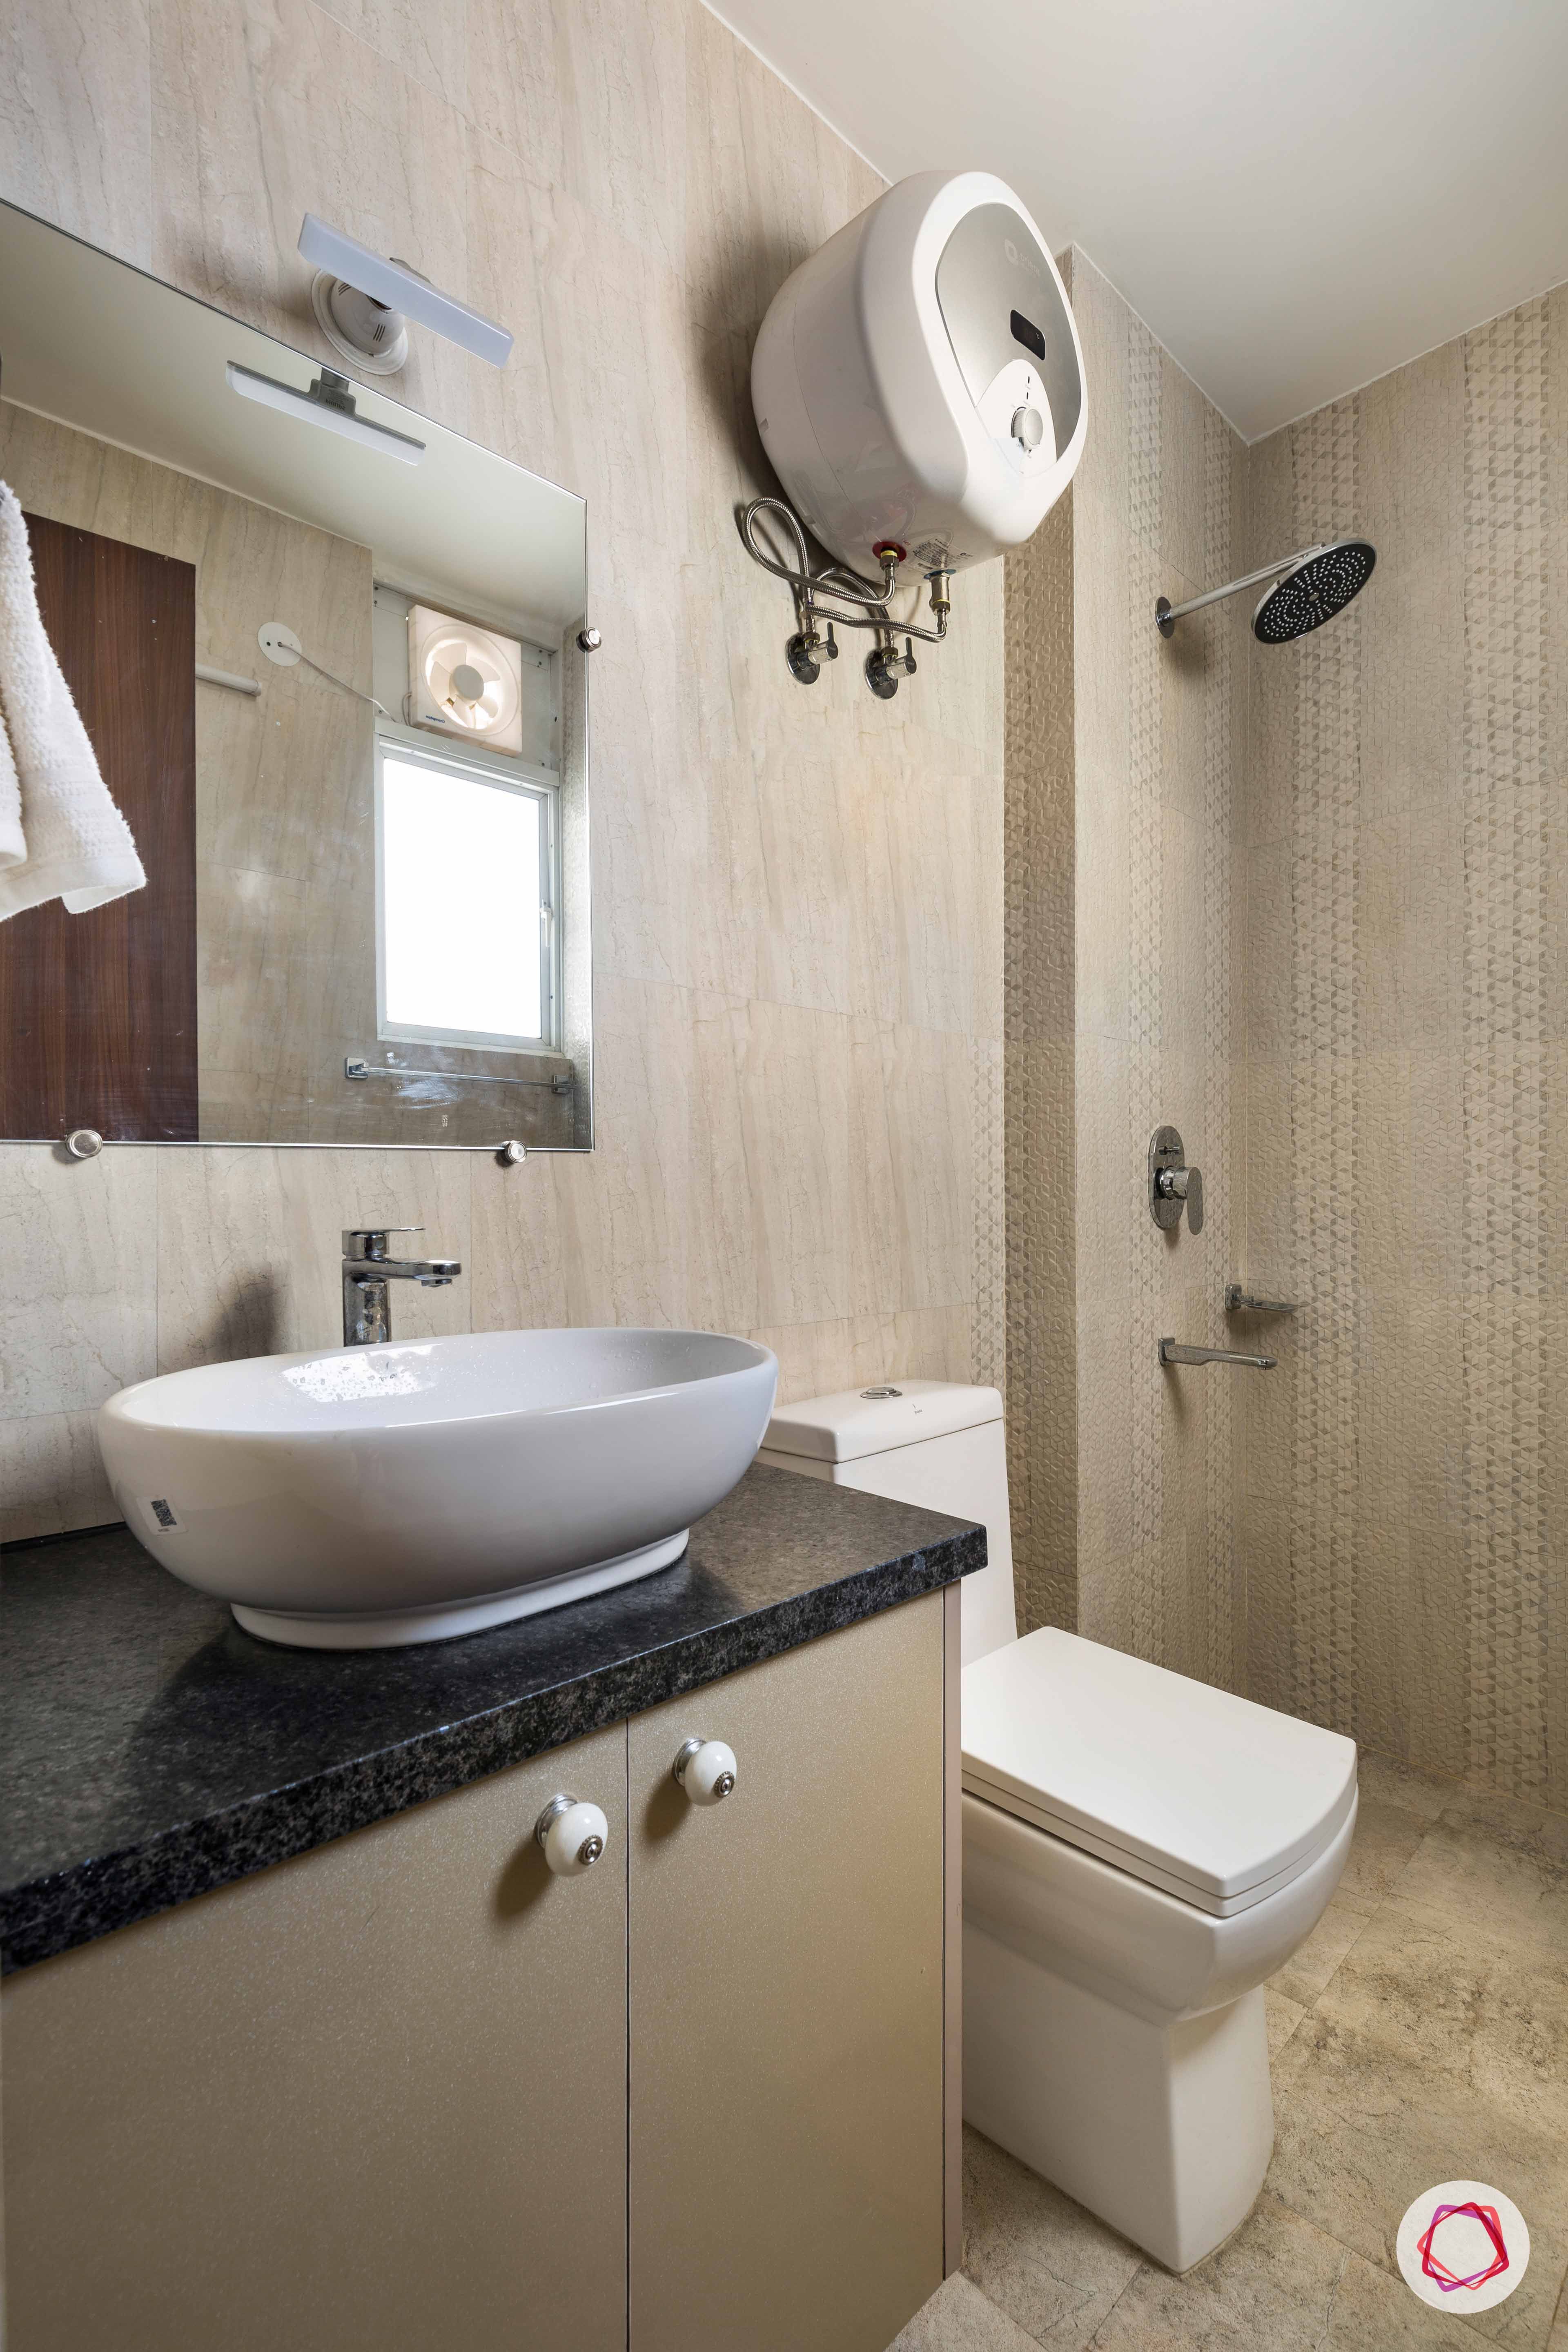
(428, 39)
(852, 1352)
(76, 117)
(51, 1476)
(592, 101)
(798, 897)
(78, 1309)
(1184, 527)
(266, 110)
(1104, 326)
(249, 1246)
(596, 394)
(755, 207)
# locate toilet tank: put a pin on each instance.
(932, 1442)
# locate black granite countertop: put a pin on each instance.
(149, 1750)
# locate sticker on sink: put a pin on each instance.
(1462, 2246)
(163, 1514)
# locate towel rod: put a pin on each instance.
(231, 678)
(355, 1068)
(1173, 1351)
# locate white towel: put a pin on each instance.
(61, 835)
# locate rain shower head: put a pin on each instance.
(1306, 590)
(1318, 585)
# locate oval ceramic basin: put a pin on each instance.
(358, 1498)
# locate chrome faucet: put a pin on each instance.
(367, 1270)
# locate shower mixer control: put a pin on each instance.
(1172, 1185)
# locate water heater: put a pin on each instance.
(919, 381)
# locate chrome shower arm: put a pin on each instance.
(1167, 614)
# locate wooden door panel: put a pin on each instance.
(786, 1998)
(98, 1012)
(372, 2100)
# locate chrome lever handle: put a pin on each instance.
(1241, 1302)
(1176, 1352)
(370, 1241)
(1172, 1185)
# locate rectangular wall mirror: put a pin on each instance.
(327, 654)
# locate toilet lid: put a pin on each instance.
(1209, 1796)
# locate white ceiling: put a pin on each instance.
(1295, 198)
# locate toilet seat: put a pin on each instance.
(1207, 1796)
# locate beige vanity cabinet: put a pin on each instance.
(786, 2003)
(410, 2092)
(370, 2100)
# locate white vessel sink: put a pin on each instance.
(359, 1498)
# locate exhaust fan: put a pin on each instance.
(464, 680)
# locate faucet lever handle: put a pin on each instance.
(370, 1241)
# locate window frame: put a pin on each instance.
(526, 781)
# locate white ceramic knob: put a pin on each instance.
(706, 1771)
(573, 1835)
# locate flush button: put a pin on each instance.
(1028, 428)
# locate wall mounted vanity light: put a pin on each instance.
(361, 299)
(328, 402)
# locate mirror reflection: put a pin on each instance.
(293, 832)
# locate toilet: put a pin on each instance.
(1141, 1852)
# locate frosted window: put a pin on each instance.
(460, 894)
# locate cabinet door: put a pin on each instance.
(785, 2058)
(372, 2097)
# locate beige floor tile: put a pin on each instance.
(1386, 1837)
(1510, 1821)
(1279, 2285)
(1051, 2266)
(1283, 2016)
(1308, 1971)
(958, 2318)
(1437, 2052)
(1392, 1783)
(1558, 2339)
(1468, 1870)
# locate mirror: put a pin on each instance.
(326, 654)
